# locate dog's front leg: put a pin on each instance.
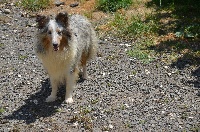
(54, 86)
(70, 84)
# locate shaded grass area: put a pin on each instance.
(171, 32)
(187, 51)
(179, 30)
(180, 17)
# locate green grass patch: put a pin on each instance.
(142, 55)
(139, 27)
(2, 110)
(113, 5)
(1, 45)
(195, 129)
(94, 101)
(133, 27)
(22, 57)
(88, 14)
(34, 5)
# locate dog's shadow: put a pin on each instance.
(36, 107)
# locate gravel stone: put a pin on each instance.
(7, 11)
(74, 4)
(59, 3)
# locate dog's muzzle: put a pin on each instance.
(55, 47)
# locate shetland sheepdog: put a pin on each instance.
(65, 44)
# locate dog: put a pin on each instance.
(65, 44)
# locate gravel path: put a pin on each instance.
(122, 94)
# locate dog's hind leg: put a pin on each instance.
(70, 84)
(84, 59)
(85, 76)
(54, 85)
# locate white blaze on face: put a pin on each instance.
(55, 32)
(52, 28)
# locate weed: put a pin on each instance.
(142, 122)
(109, 84)
(58, 110)
(94, 101)
(119, 21)
(142, 55)
(166, 100)
(34, 5)
(134, 72)
(1, 110)
(85, 110)
(184, 115)
(88, 15)
(137, 27)
(105, 128)
(83, 118)
(1, 45)
(134, 27)
(122, 107)
(22, 57)
(195, 129)
(128, 125)
(113, 5)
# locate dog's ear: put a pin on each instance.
(62, 18)
(42, 21)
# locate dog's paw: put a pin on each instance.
(69, 100)
(50, 99)
(86, 77)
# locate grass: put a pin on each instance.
(139, 54)
(83, 118)
(1, 110)
(136, 27)
(1, 45)
(88, 14)
(171, 32)
(195, 129)
(128, 125)
(132, 27)
(22, 57)
(34, 5)
(113, 5)
(142, 122)
(94, 101)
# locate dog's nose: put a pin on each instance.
(55, 44)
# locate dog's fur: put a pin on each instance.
(64, 44)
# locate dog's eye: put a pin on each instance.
(49, 32)
(59, 32)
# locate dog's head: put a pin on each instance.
(56, 30)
